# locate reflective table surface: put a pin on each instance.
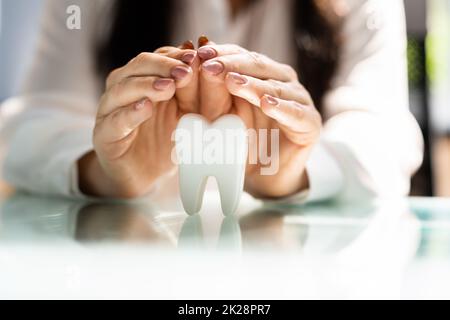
(58, 248)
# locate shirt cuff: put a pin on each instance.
(74, 185)
(77, 143)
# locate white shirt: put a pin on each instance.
(370, 145)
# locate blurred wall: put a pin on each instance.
(438, 46)
(18, 29)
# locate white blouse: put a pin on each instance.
(370, 145)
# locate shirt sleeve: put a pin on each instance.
(49, 126)
(369, 129)
(371, 144)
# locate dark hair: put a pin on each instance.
(317, 37)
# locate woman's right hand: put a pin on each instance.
(136, 117)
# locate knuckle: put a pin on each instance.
(231, 64)
(301, 91)
(298, 108)
(236, 48)
(142, 57)
(278, 91)
(111, 77)
(168, 63)
(307, 98)
(296, 87)
(295, 110)
(164, 50)
(258, 59)
(290, 72)
(278, 88)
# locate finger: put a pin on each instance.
(187, 55)
(253, 89)
(203, 41)
(134, 89)
(153, 64)
(215, 100)
(211, 51)
(187, 94)
(299, 122)
(250, 64)
(187, 45)
(122, 122)
(166, 50)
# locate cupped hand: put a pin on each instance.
(137, 115)
(266, 95)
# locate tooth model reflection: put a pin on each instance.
(228, 237)
(211, 150)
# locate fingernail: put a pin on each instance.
(162, 84)
(213, 67)
(141, 104)
(207, 53)
(203, 41)
(271, 100)
(188, 58)
(179, 73)
(188, 45)
(238, 79)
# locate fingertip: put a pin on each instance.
(180, 72)
(202, 41)
(207, 53)
(182, 76)
(189, 57)
(213, 68)
(189, 44)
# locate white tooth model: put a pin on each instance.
(207, 150)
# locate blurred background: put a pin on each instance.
(429, 75)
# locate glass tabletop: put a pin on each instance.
(60, 248)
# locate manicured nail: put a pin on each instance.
(238, 79)
(188, 45)
(203, 41)
(162, 84)
(271, 100)
(179, 73)
(188, 58)
(213, 67)
(141, 104)
(207, 53)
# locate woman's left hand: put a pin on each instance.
(266, 95)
